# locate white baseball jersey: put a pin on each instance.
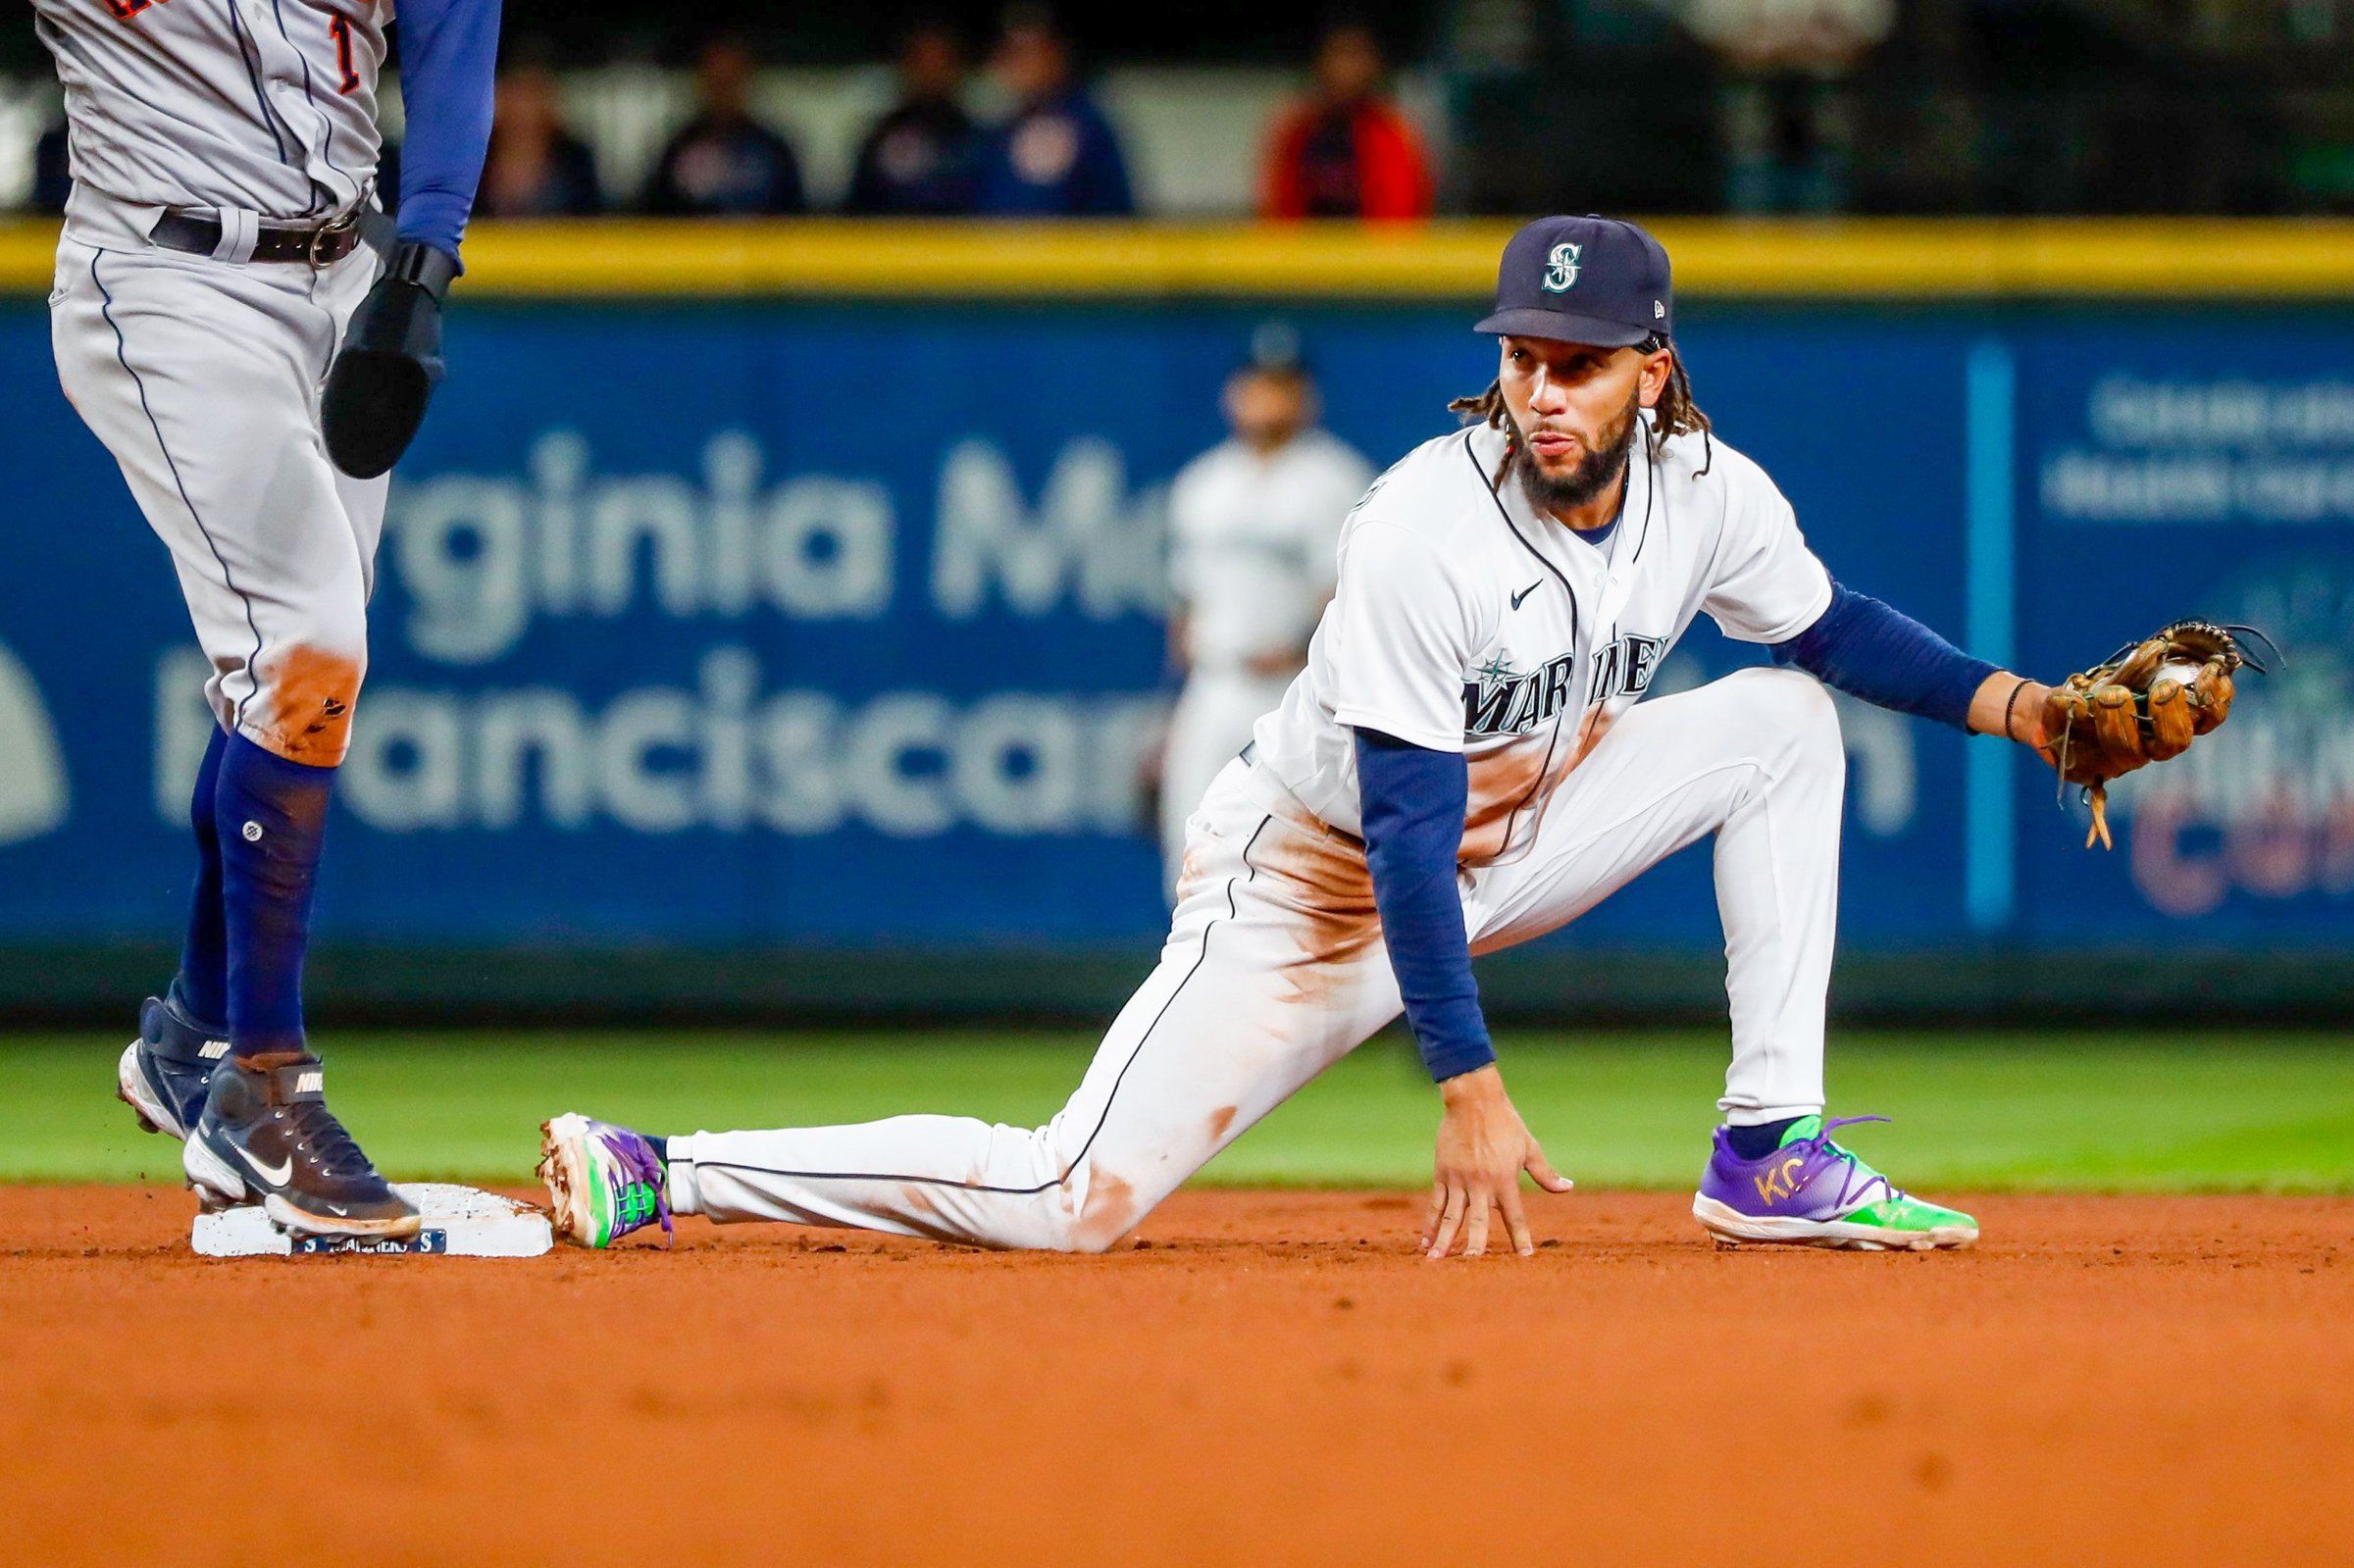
(1251, 544)
(1468, 622)
(261, 106)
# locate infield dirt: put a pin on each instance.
(1263, 1378)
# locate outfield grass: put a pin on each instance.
(2239, 1112)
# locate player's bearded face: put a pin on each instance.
(1562, 483)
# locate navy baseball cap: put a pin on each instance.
(1582, 280)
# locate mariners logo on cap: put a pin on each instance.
(1562, 270)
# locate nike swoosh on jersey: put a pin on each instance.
(1526, 592)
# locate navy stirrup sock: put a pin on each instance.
(271, 816)
(1757, 1141)
(201, 988)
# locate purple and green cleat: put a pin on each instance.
(1812, 1192)
(603, 1181)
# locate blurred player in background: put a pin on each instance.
(1254, 526)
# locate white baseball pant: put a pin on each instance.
(1275, 969)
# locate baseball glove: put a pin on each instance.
(2145, 703)
(389, 365)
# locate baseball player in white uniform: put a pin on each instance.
(1254, 526)
(254, 341)
(1464, 764)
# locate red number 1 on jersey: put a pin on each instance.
(340, 28)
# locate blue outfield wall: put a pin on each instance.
(838, 628)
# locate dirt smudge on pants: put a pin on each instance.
(1109, 1211)
(1321, 877)
(1503, 788)
(301, 705)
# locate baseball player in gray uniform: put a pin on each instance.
(1464, 764)
(254, 341)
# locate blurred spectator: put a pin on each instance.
(723, 161)
(1346, 152)
(1787, 110)
(535, 167)
(922, 158)
(1057, 157)
(51, 180)
(1254, 531)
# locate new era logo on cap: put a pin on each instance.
(1582, 280)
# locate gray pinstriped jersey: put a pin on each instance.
(263, 105)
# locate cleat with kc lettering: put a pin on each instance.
(1812, 1193)
(265, 1135)
(603, 1181)
(163, 1074)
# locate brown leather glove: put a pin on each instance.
(2145, 703)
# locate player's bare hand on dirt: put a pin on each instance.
(1483, 1147)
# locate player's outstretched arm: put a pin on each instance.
(1871, 651)
(2144, 704)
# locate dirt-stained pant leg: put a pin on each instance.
(202, 379)
(1756, 759)
(1274, 970)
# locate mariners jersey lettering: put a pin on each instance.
(1466, 621)
(262, 106)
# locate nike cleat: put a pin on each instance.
(267, 1136)
(603, 1181)
(1812, 1192)
(163, 1074)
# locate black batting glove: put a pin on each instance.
(389, 365)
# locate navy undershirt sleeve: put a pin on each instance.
(1868, 650)
(1413, 801)
(448, 55)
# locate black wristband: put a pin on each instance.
(2009, 707)
(428, 266)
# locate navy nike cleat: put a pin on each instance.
(163, 1074)
(265, 1135)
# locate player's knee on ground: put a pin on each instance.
(302, 701)
(1092, 1222)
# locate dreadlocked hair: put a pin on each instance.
(1675, 414)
